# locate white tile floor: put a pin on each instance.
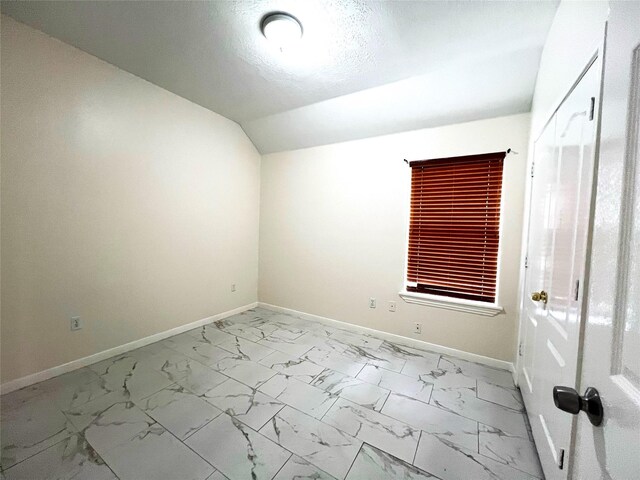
(263, 395)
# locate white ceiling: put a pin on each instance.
(362, 68)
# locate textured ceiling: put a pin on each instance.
(382, 58)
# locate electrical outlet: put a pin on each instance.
(372, 302)
(417, 328)
(233, 287)
(76, 324)
(392, 306)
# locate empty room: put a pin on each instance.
(320, 239)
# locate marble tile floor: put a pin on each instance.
(264, 395)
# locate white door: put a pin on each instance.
(558, 234)
(611, 352)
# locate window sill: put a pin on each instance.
(449, 303)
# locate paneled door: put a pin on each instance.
(563, 168)
(611, 352)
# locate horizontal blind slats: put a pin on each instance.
(454, 226)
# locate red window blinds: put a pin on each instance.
(455, 225)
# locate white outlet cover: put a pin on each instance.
(76, 323)
(372, 302)
(392, 306)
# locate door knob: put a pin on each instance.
(540, 296)
(568, 400)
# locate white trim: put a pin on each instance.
(22, 382)
(450, 303)
(596, 56)
(411, 342)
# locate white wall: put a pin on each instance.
(121, 203)
(575, 34)
(333, 231)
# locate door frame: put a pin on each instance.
(597, 58)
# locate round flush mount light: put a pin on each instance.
(282, 29)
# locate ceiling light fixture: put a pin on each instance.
(282, 29)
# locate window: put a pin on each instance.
(454, 228)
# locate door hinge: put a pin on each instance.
(532, 168)
(526, 261)
(577, 290)
(592, 109)
(520, 349)
(561, 459)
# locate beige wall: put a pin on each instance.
(121, 203)
(333, 230)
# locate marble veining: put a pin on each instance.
(362, 393)
(384, 432)
(200, 379)
(318, 443)
(31, 428)
(246, 349)
(396, 382)
(306, 398)
(329, 358)
(457, 429)
(465, 403)
(446, 379)
(245, 371)
(165, 457)
(238, 451)
(179, 411)
(290, 347)
(250, 332)
(513, 450)
(372, 463)
(73, 457)
(266, 395)
(301, 369)
(450, 462)
(505, 396)
(470, 369)
(248, 405)
(125, 374)
(298, 468)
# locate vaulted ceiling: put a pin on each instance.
(362, 67)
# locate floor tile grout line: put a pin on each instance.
(476, 420)
(4, 469)
(314, 418)
(253, 430)
(354, 460)
(285, 462)
(368, 409)
(385, 402)
(272, 416)
(501, 405)
(510, 465)
(105, 462)
(191, 449)
(415, 454)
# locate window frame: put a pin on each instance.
(477, 307)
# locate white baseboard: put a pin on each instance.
(411, 342)
(22, 382)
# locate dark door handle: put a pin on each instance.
(568, 400)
